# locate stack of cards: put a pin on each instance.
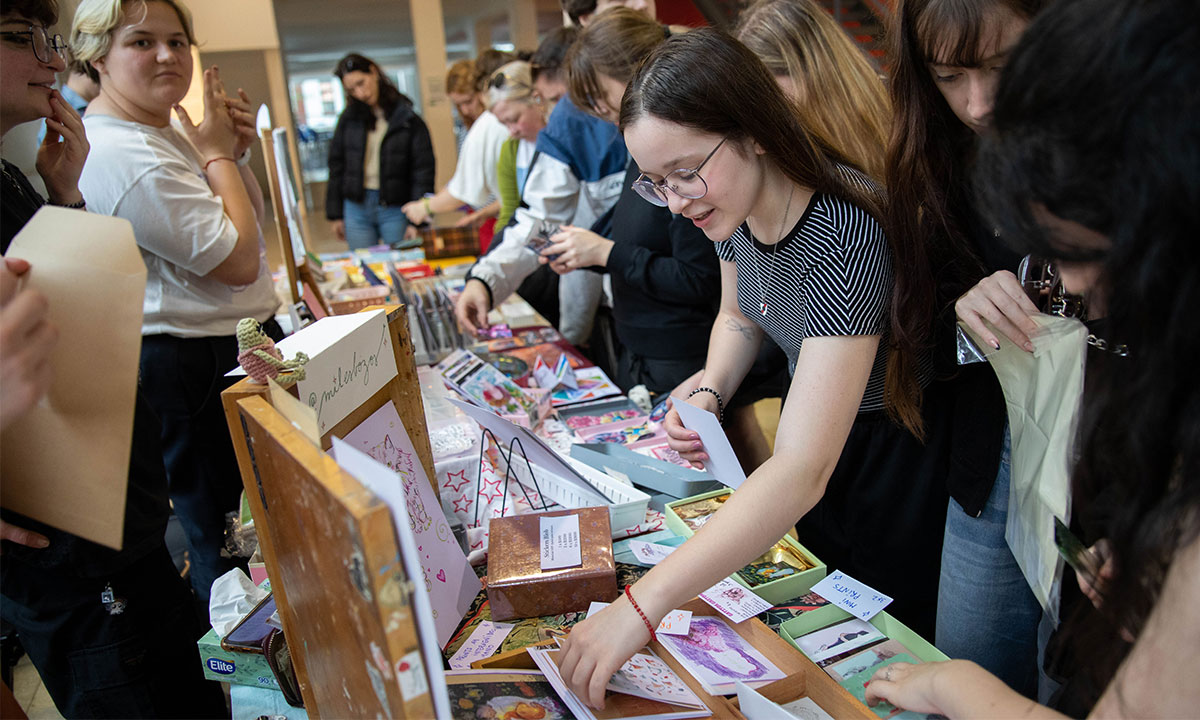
(645, 688)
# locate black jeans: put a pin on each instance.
(182, 379)
(140, 662)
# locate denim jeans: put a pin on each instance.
(182, 379)
(986, 612)
(369, 223)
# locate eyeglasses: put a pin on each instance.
(42, 42)
(685, 183)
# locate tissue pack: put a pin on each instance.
(518, 587)
(239, 668)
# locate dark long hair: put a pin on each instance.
(390, 96)
(929, 216)
(706, 80)
(1095, 122)
(43, 11)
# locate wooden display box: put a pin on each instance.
(774, 592)
(803, 677)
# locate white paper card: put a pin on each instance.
(861, 601)
(410, 671)
(722, 463)
(559, 541)
(647, 676)
(734, 601)
(350, 359)
(756, 707)
(676, 622)
(482, 644)
(649, 553)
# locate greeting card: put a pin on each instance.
(447, 577)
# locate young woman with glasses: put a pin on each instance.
(803, 258)
(380, 157)
(661, 268)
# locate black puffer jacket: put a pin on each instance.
(406, 163)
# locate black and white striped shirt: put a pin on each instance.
(831, 275)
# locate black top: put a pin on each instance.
(979, 412)
(406, 163)
(831, 275)
(666, 280)
(19, 202)
(146, 507)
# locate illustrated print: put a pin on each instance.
(401, 463)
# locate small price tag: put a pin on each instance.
(559, 541)
(677, 622)
(861, 601)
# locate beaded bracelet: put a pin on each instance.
(210, 162)
(645, 619)
(720, 401)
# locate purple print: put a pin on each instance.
(716, 647)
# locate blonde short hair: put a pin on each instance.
(97, 20)
(517, 83)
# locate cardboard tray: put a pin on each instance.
(888, 625)
(775, 592)
(803, 677)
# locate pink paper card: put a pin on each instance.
(448, 578)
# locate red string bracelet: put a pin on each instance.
(210, 162)
(645, 619)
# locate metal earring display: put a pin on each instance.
(508, 471)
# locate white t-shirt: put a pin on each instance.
(474, 180)
(371, 158)
(154, 178)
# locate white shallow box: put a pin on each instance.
(627, 506)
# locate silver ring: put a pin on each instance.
(888, 675)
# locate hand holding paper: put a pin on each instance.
(722, 462)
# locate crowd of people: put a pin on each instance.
(730, 216)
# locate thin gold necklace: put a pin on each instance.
(762, 287)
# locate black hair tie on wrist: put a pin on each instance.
(720, 401)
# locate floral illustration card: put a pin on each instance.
(448, 578)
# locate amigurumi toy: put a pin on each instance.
(259, 357)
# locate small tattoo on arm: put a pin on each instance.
(745, 331)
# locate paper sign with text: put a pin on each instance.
(676, 622)
(734, 601)
(350, 359)
(559, 541)
(482, 644)
(858, 599)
